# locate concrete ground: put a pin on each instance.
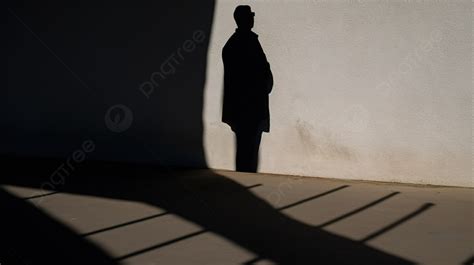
(221, 217)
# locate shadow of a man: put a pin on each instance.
(247, 82)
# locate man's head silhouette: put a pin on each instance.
(243, 16)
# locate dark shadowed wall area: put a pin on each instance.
(130, 80)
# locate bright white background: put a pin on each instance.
(373, 90)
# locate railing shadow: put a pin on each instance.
(217, 203)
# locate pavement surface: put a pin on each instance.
(115, 214)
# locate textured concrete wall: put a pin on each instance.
(373, 90)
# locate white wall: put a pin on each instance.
(373, 90)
